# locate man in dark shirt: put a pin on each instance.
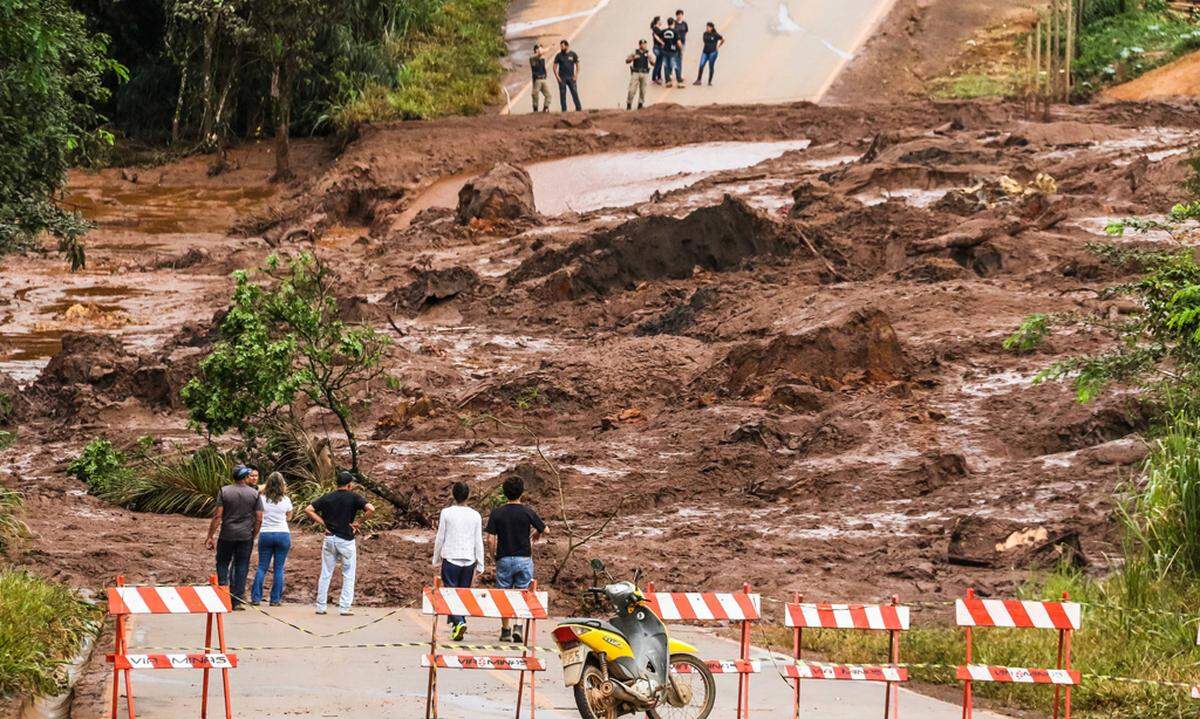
(337, 513)
(670, 50)
(681, 31)
(639, 74)
(566, 71)
(537, 68)
(239, 514)
(509, 527)
(713, 41)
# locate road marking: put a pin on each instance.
(881, 9)
(514, 29)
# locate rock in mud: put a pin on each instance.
(504, 192)
(14, 408)
(715, 238)
(859, 345)
(432, 287)
(680, 317)
(978, 541)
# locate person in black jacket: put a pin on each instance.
(537, 68)
(713, 41)
(670, 51)
(639, 74)
(681, 32)
(656, 32)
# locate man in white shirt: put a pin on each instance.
(458, 548)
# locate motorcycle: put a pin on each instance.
(629, 664)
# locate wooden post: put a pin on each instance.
(1070, 49)
(1028, 79)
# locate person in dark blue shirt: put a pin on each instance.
(681, 31)
(670, 51)
(566, 71)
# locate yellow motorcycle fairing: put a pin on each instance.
(674, 646)
(610, 645)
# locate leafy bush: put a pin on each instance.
(42, 626)
(1123, 46)
(102, 467)
(181, 483)
(1163, 511)
(50, 75)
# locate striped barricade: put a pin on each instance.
(1064, 617)
(734, 607)
(527, 605)
(209, 599)
(891, 618)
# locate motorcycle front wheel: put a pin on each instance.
(590, 698)
(699, 689)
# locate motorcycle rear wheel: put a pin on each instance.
(699, 678)
(588, 697)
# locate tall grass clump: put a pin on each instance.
(11, 527)
(42, 626)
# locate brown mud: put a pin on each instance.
(797, 362)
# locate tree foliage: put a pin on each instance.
(283, 339)
(51, 76)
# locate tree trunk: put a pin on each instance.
(281, 90)
(206, 71)
(183, 79)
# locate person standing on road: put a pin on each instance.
(337, 513)
(537, 67)
(681, 31)
(566, 71)
(274, 540)
(670, 51)
(713, 41)
(458, 549)
(510, 526)
(639, 74)
(239, 514)
(656, 37)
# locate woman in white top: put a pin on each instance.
(274, 540)
(458, 548)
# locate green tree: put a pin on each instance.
(283, 339)
(51, 72)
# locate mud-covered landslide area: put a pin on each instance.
(789, 374)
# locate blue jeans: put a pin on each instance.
(656, 76)
(233, 564)
(460, 578)
(668, 63)
(273, 548)
(679, 65)
(709, 58)
(514, 572)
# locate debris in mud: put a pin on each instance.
(715, 238)
(14, 407)
(504, 192)
(432, 287)
(88, 316)
(978, 541)
(795, 398)
(680, 317)
(856, 346)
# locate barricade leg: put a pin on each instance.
(892, 699)
(208, 626)
(744, 678)
(797, 650)
(967, 698)
(224, 672)
(431, 708)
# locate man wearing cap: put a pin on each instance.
(239, 516)
(639, 75)
(337, 513)
(537, 68)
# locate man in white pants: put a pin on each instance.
(338, 512)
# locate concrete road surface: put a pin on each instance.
(775, 50)
(384, 682)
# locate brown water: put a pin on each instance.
(617, 179)
(159, 210)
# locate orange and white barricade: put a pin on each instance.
(891, 618)
(740, 607)
(528, 605)
(1064, 617)
(208, 599)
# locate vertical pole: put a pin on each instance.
(968, 711)
(208, 627)
(531, 642)
(1071, 47)
(118, 650)
(892, 697)
(1048, 63)
(1029, 73)
(224, 650)
(796, 653)
(744, 677)
(431, 686)
(1067, 663)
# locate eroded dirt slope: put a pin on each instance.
(789, 374)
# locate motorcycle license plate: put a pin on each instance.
(572, 663)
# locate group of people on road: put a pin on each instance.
(245, 514)
(666, 68)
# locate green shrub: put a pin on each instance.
(1162, 515)
(102, 467)
(42, 626)
(179, 483)
(11, 528)
(1123, 46)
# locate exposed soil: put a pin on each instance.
(1179, 79)
(798, 362)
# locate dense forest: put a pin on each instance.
(76, 76)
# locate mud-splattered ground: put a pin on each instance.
(789, 374)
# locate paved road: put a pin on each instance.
(776, 50)
(372, 683)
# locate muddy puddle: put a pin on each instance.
(617, 179)
(162, 210)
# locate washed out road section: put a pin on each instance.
(367, 683)
(775, 51)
